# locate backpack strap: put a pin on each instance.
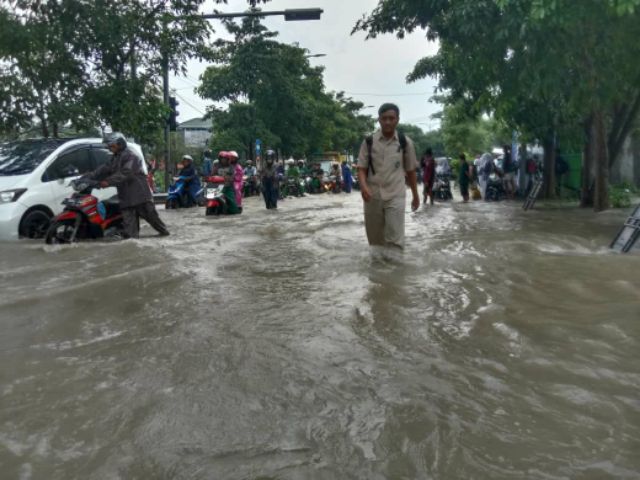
(402, 138)
(369, 141)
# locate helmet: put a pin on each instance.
(270, 153)
(249, 162)
(291, 161)
(233, 154)
(116, 139)
(223, 154)
(187, 157)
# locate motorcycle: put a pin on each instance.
(177, 197)
(495, 189)
(442, 187)
(295, 187)
(250, 186)
(215, 200)
(85, 217)
(316, 183)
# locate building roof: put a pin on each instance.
(196, 124)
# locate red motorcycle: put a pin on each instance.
(85, 217)
(215, 200)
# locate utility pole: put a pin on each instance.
(165, 91)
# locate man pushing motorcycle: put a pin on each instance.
(125, 172)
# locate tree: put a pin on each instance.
(90, 63)
(276, 95)
(542, 66)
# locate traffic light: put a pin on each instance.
(173, 113)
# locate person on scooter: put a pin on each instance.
(292, 170)
(317, 175)
(250, 170)
(191, 181)
(227, 171)
(303, 169)
(125, 172)
(269, 179)
(252, 183)
(238, 173)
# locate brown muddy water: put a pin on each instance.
(277, 345)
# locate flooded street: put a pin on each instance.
(277, 345)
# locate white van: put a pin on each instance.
(35, 176)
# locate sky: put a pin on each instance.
(371, 71)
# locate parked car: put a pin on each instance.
(35, 177)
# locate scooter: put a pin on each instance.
(495, 189)
(177, 195)
(215, 199)
(295, 187)
(250, 186)
(85, 217)
(442, 187)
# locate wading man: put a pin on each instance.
(126, 174)
(386, 159)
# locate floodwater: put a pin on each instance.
(277, 345)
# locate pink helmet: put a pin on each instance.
(223, 154)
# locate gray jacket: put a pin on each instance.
(125, 172)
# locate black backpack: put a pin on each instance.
(403, 145)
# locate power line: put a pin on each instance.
(197, 109)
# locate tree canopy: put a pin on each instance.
(275, 94)
(544, 67)
(92, 63)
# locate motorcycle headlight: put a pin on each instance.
(9, 196)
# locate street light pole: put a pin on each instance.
(165, 93)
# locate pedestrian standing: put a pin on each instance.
(429, 175)
(485, 168)
(346, 177)
(269, 178)
(125, 172)
(207, 163)
(464, 178)
(386, 159)
(508, 170)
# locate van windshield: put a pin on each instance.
(23, 156)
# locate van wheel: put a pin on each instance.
(34, 224)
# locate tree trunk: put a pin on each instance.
(624, 120)
(586, 192)
(43, 124)
(601, 162)
(549, 167)
(56, 132)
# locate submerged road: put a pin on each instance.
(277, 345)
